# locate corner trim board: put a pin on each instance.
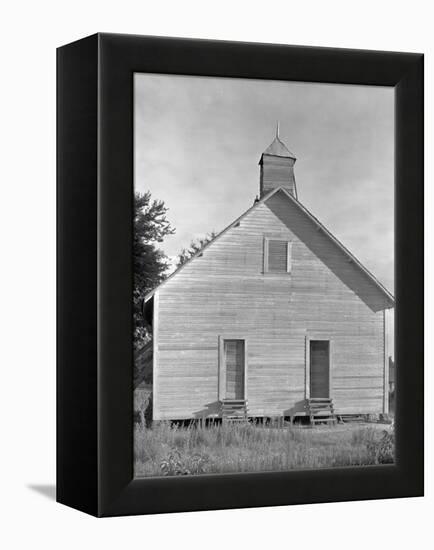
(155, 356)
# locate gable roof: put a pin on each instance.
(305, 211)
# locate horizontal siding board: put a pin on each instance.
(226, 292)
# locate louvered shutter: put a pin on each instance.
(277, 256)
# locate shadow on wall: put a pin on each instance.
(328, 252)
(299, 406)
(210, 409)
(214, 409)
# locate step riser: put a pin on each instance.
(234, 410)
(320, 410)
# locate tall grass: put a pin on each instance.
(167, 449)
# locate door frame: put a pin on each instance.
(222, 364)
(324, 337)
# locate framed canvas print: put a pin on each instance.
(240, 275)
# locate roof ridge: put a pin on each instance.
(266, 197)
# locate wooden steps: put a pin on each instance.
(320, 410)
(234, 410)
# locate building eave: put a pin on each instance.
(306, 212)
(345, 250)
(202, 250)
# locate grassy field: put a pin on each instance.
(167, 449)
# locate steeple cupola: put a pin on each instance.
(277, 168)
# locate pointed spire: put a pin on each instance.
(277, 147)
(277, 167)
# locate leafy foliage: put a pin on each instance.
(177, 449)
(176, 464)
(196, 246)
(150, 264)
(382, 451)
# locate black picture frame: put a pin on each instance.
(94, 273)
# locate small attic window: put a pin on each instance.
(277, 255)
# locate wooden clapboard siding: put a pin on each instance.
(276, 171)
(225, 293)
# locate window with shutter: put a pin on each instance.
(277, 256)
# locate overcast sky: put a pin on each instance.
(198, 141)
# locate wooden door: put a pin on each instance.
(319, 368)
(234, 364)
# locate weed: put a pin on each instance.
(175, 464)
(166, 449)
(382, 451)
